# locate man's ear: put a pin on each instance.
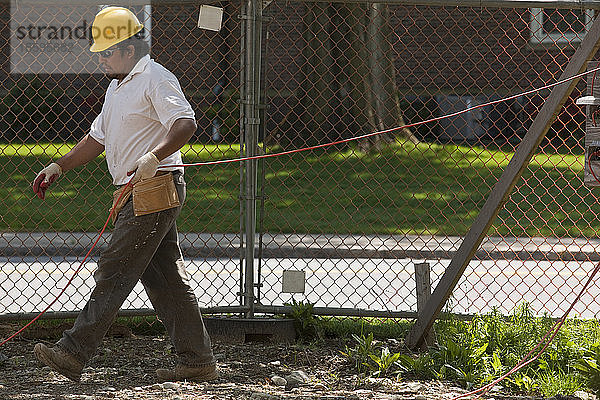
(130, 51)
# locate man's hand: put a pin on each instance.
(45, 178)
(145, 167)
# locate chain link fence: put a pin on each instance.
(383, 204)
(356, 217)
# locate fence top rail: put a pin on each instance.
(563, 4)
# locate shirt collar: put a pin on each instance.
(139, 67)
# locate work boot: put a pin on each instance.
(59, 360)
(183, 372)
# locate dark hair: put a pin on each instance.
(139, 44)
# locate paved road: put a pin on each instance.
(27, 284)
(294, 245)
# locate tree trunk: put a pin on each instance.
(357, 68)
(384, 91)
(348, 82)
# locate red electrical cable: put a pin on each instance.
(74, 273)
(597, 153)
(524, 361)
(381, 132)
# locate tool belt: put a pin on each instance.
(149, 196)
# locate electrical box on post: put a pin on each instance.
(591, 170)
(293, 281)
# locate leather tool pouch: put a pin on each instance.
(154, 195)
(118, 204)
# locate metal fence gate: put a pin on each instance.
(355, 217)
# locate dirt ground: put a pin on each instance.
(124, 369)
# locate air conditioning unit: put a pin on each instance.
(463, 127)
(505, 121)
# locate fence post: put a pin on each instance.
(423, 285)
(250, 121)
(423, 291)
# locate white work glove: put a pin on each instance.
(145, 167)
(45, 178)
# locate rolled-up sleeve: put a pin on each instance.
(170, 103)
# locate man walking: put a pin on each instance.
(145, 120)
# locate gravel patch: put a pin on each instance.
(124, 366)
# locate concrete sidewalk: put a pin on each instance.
(218, 245)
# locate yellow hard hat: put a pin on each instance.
(113, 25)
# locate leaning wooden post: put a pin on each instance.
(499, 194)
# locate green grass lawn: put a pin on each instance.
(422, 189)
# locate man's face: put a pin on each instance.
(117, 61)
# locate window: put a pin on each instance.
(550, 26)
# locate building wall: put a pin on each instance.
(436, 50)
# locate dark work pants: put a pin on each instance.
(143, 248)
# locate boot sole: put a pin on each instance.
(204, 378)
(41, 355)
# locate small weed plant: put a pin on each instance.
(308, 326)
(384, 363)
(360, 354)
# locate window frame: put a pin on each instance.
(538, 36)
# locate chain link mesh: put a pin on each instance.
(355, 218)
(343, 70)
